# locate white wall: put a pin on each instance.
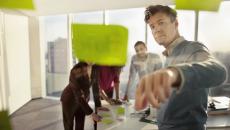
(4, 89)
(1, 64)
(35, 58)
(18, 63)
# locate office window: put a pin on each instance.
(89, 17)
(214, 30)
(55, 36)
(133, 20)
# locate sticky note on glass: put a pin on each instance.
(17, 4)
(100, 44)
(206, 5)
(4, 120)
(120, 111)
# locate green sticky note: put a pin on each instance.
(17, 4)
(107, 121)
(100, 44)
(105, 115)
(120, 111)
(4, 120)
(206, 5)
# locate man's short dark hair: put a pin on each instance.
(153, 9)
(139, 43)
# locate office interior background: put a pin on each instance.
(36, 54)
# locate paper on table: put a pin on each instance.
(103, 115)
(150, 127)
(107, 121)
(120, 111)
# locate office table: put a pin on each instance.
(128, 122)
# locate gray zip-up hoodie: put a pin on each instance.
(186, 107)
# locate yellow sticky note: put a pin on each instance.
(120, 111)
(107, 121)
(100, 44)
(206, 5)
(105, 115)
(17, 4)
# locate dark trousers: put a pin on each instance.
(71, 113)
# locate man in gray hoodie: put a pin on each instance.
(179, 90)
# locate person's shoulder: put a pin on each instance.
(195, 46)
(153, 55)
(134, 57)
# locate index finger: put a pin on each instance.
(150, 91)
(140, 99)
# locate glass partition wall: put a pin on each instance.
(212, 31)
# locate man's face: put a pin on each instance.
(163, 29)
(141, 50)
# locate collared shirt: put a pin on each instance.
(170, 48)
(144, 66)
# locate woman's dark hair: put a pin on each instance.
(80, 65)
(72, 77)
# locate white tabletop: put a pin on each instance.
(128, 122)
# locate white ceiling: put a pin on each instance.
(51, 7)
